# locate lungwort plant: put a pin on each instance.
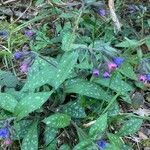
(69, 81)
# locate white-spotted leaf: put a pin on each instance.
(30, 103)
(30, 141)
(65, 67)
(7, 102)
(116, 84)
(49, 134)
(74, 109)
(40, 73)
(86, 88)
(130, 127)
(83, 145)
(115, 140)
(127, 70)
(67, 41)
(57, 120)
(99, 126)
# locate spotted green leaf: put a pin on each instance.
(83, 145)
(40, 73)
(7, 102)
(127, 43)
(8, 79)
(30, 103)
(114, 109)
(57, 120)
(98, 127)
(86, 88)
(64, 147)
(49, 134)
(127, 70)
(52, 145)
(116, 84)
(65, 67)
(67, 41)
(130, 127)
(74, 109)
(21, 128)
(115, 140)
(30, 140)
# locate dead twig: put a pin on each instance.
(115, 20)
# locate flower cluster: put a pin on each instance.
(117, 61)
(25, 58)
(144, 78)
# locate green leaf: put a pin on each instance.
(130, 127)
(8, 79)
(49, 134)
(57, 120)
(83, 145)
(65, 67)
(137, 100)
(65, 147)
(74, 109)
(126, 147)
(7, 102)
(86, 88)
(128, 43)
(99, 126)
(114, 109)
(104, 48)
(116, 84)
(52, 145)
(40, 73)
(126, 98)
(115, 140)
(30, 103)
(21, 128)
(30, 140)
(127, 70)
(147, 42)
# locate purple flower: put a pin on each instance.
(7, 141)
(18, 55)
(101, 144)
(106, 74)
(142, 78)
(4, 133)
(118, 61)
(3, 33)
(102, 12)
(112, 66)
(96, 72)
(148, 77)
(29, 33)
(132, 8)
(24, 68)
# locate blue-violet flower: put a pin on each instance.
(101, 144)
(4, 133)
(106, 74)
(102, 12)
(96, 72)
(118, 61)
(18, 55)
